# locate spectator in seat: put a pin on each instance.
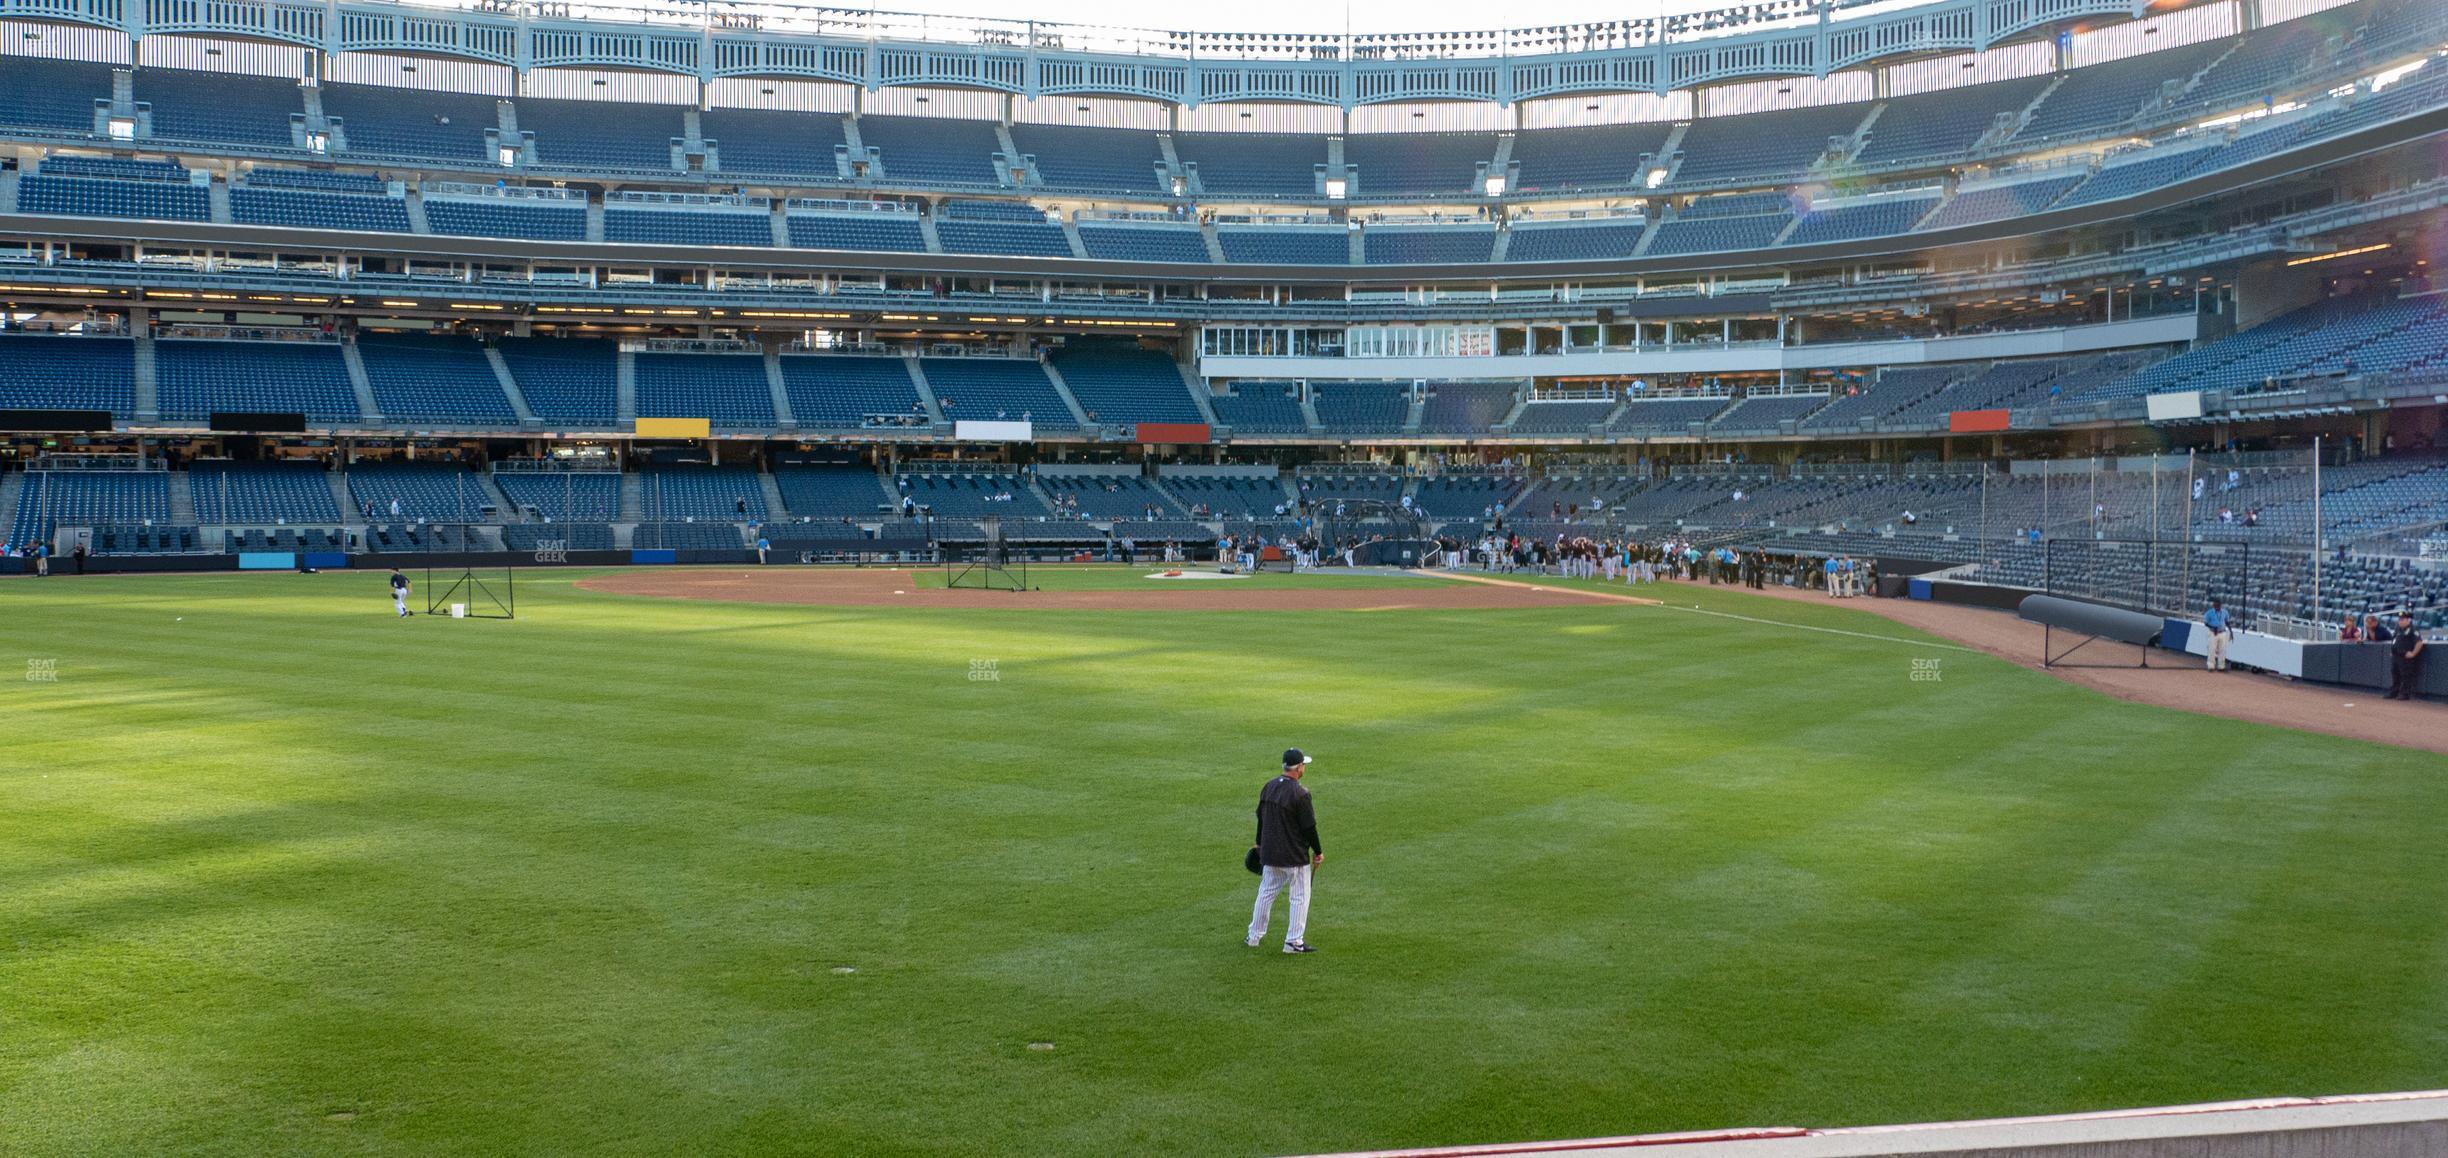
(2352, 631)
(2374, 631)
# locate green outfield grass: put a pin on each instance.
(280, 873)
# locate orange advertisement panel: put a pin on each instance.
(1976, 421)
(674, 428)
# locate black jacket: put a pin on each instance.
(1287, 826)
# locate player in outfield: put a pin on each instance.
(1288, 852)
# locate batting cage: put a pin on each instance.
(986, 565)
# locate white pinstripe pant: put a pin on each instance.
(1271, 881)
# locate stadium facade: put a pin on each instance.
(703, 265)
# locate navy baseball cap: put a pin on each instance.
(1294, 756)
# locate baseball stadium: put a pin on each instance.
(1740, 579)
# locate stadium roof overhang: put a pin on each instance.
(1029, 59)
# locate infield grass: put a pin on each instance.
(280, 873)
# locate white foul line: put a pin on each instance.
(1827, 630)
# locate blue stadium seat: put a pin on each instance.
(567, 381)
(1575, 241)
(317, 181)
(2001, 202)
(1771, 145)
(1417, 164)
(431, 492)
(1038, 238)
(263, 493)
(1665, 415)
(220, 107)
(937, 151)
(79, 498)
(1361, 407)
(1143, 242)
(1092, 159)
(68, 373)
(489, 217)
(842, 393)
(673, 226)
(92, 197)
(2146, 170)
(871, 232)
(1708, 233)
(1121, 383)
(719, 494)
(1763, 412)
(1261, 408)
(984, 389)
(399, 122)
(1465, 496)
(727, 389)
(1253, 164)
(2098, 99)
(597, 136)
(1853, 221)
(562, 496)
(1466, 407)
(973, 495)
(1428, 245)
(1284, 245)
(832, 493)
(785, 144)
(1225, 495)
(1573, 418)
(199, 378)
(1586, 157)
(1108, 495)
(437, 380)
(252, 206)
(52, 96)
(1938, 125)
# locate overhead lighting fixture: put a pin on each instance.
(2320, 257)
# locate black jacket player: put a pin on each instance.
(1288, 850)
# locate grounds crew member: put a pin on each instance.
(1288, 852)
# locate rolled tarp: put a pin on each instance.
(2112, 623)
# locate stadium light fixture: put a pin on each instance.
(2321, 257)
